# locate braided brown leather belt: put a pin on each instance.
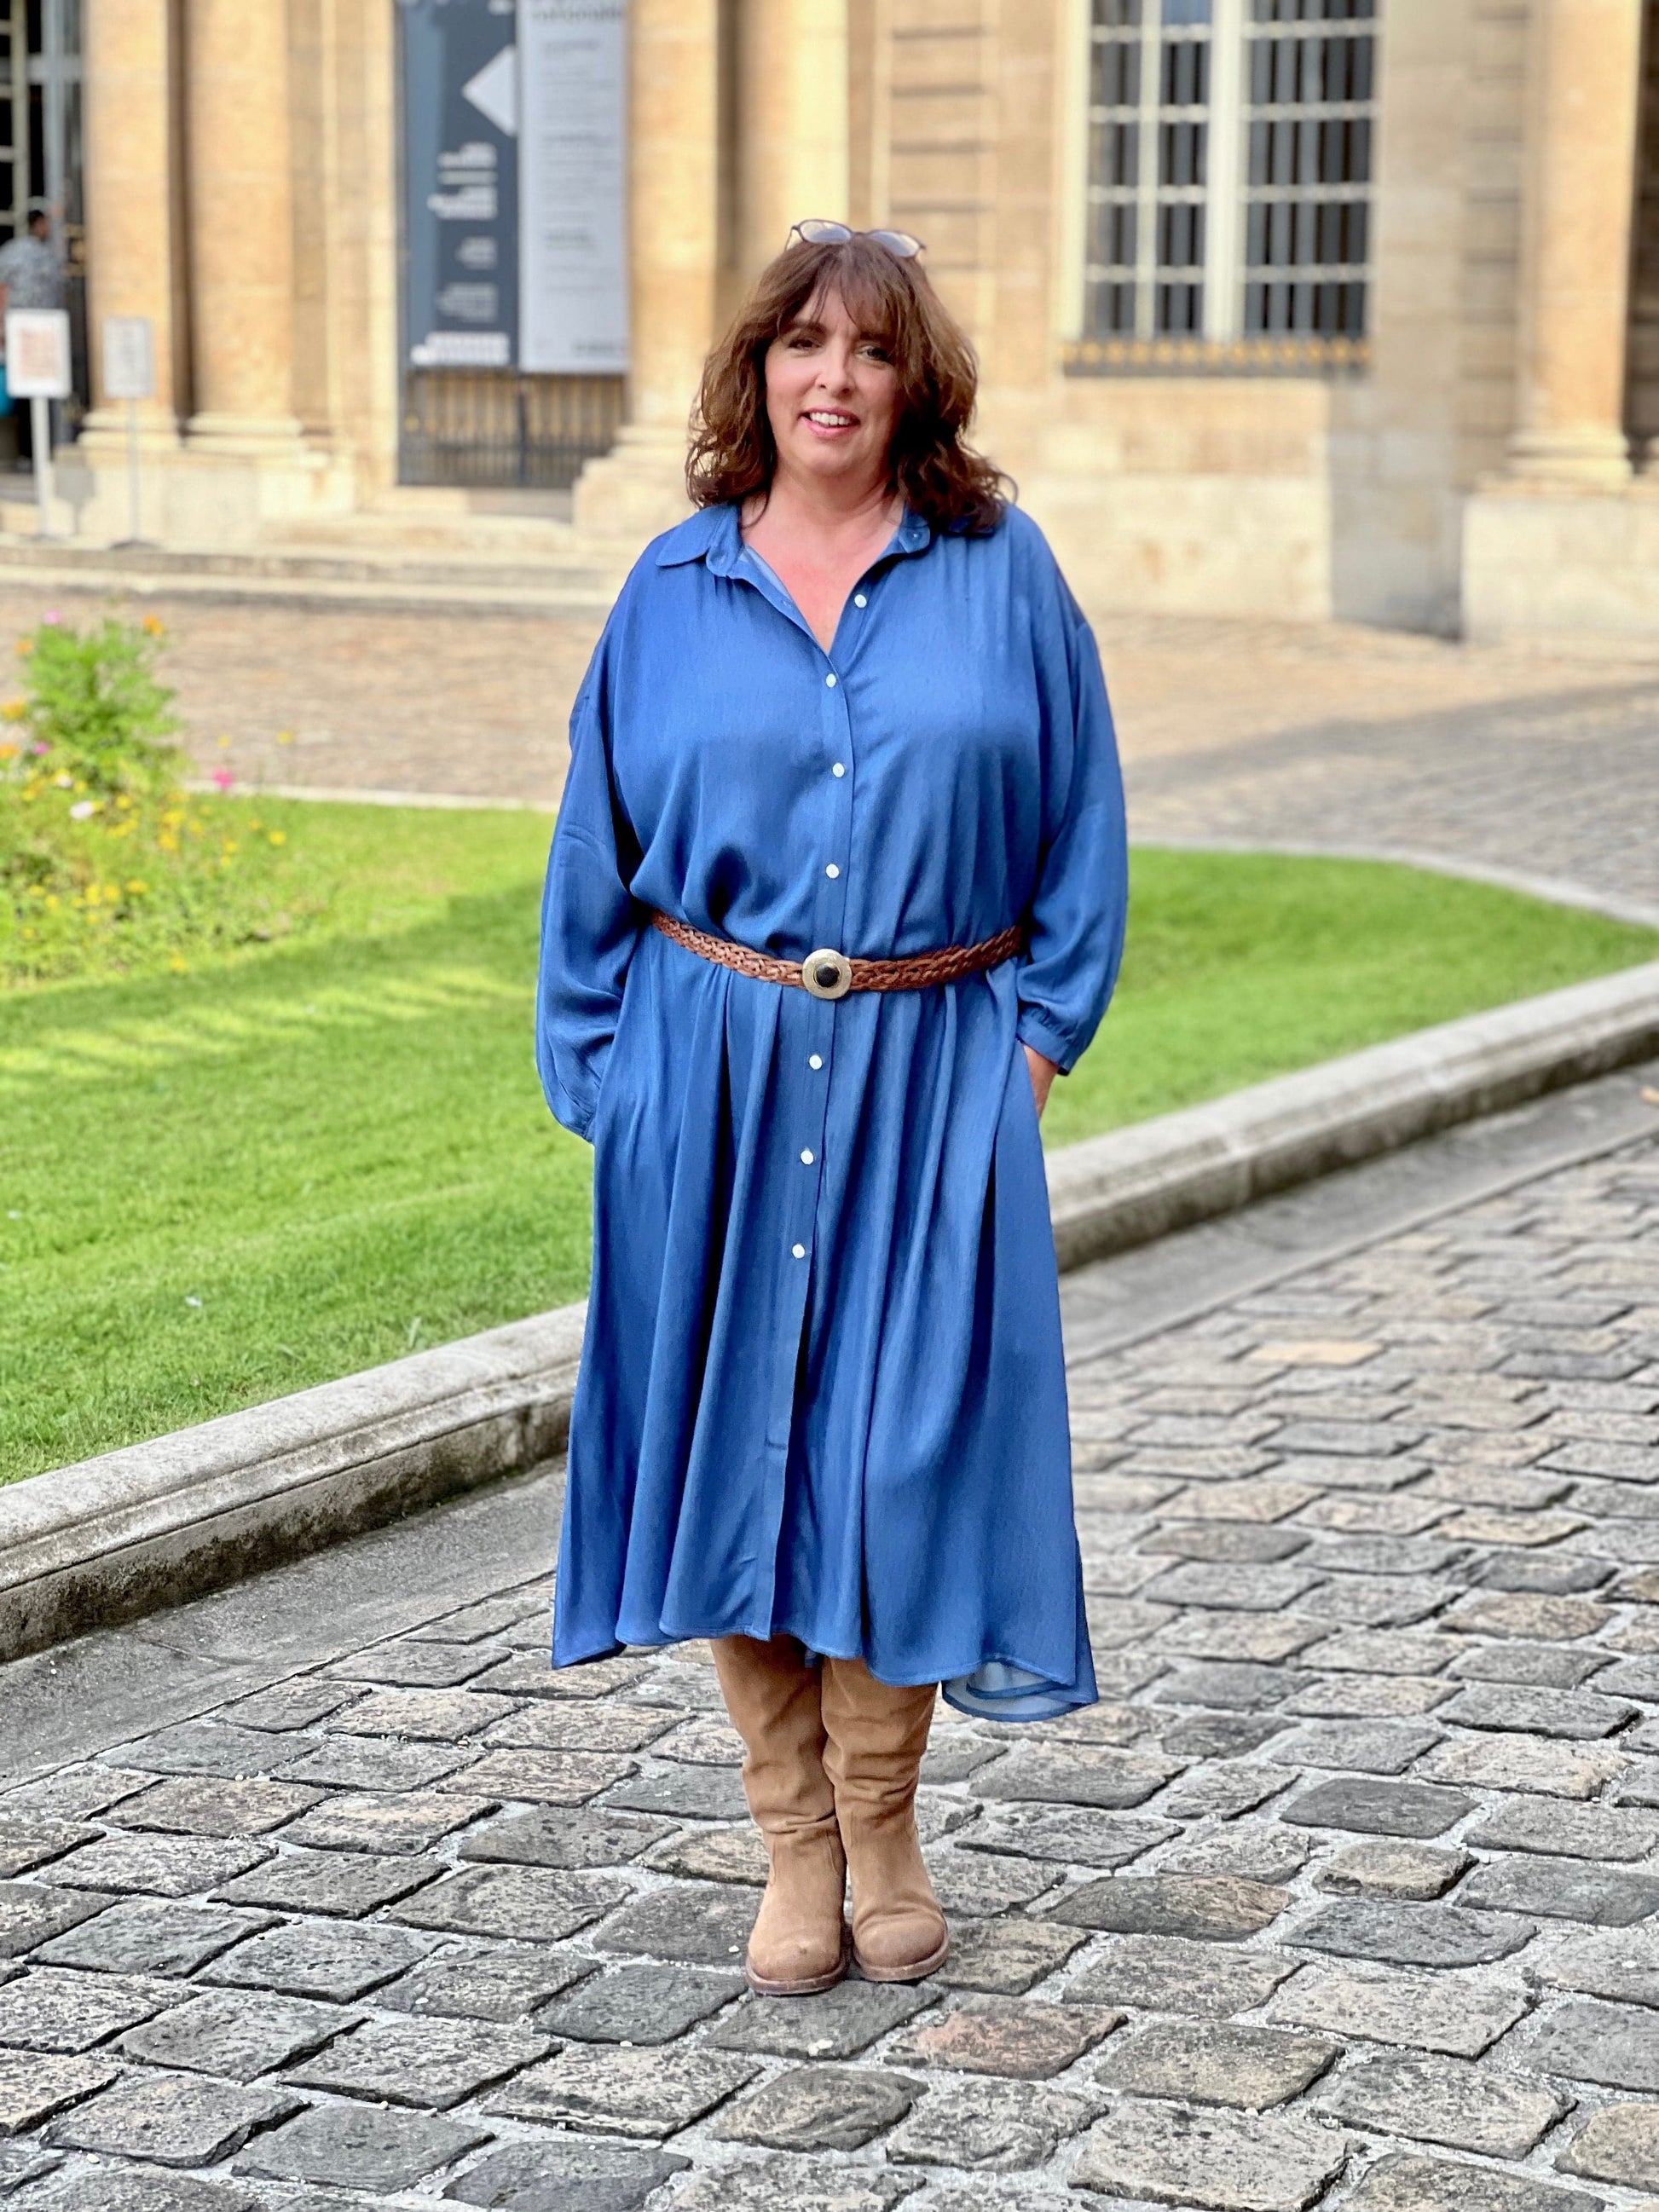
(830, 975)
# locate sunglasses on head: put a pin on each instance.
(818, 230)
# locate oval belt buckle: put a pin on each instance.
(827, 974)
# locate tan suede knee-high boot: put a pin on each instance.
(772, 1694)
(877, 1738)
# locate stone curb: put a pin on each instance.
(121, 1536)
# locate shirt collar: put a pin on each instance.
(712, 535)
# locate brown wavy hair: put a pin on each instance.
(940, 477)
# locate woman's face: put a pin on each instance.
(832, 397)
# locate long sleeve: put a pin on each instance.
(1081, 905)
(590, 922)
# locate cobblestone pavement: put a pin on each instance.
(1260, 732)
(1344, 1895)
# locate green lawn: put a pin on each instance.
(312, 1156)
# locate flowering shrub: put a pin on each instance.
(108, 864)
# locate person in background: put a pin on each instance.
(32, 274)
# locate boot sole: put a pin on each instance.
(918, 1971)
(808, 1986)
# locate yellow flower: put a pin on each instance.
(137, 887)
(7, 752)
(224, 742)
(52, 902)
(178, 966)
(153, 626)
(14, 710)
(168, 842)
(279, 836)
(285, 737)
(24, 646)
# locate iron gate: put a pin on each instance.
(498, 427)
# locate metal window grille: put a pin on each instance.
(501, 428)
(1229, 153)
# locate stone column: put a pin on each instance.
(1584, 83)
(792, 105)
(241, 226)
(130, 242)
(673, 248)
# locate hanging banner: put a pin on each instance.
(460, 183)
(573, 261)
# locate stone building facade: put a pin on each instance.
(1294, 307)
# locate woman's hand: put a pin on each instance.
(1043, 1072)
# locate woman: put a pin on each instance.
(848, 709)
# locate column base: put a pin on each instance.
(1563, 568)
(1587, 454)
(636, 491)
(249, 438)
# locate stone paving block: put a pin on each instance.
(32, 1913)
(1238, 1684)
(221, 2032)
(1345, 1439)
(1562, 1888)
(1209, 1907)
(160, 1866)
(1584, 1715)
(208, 1805)
(1404, 1514)
(1552, 1574)
(1630, 1678)
(1108, 1723)
(432, 2063)
(571, 1840)
(1264, 1498)
(356, 2146)
(1111, 1780)
(52, 2008)
(1263, 1637)
(344, 1762)
(1218, 1736)
(550, 2176)
(735, 1854)
(1401, 2183)
(74, 1793)
(1403, 1935)
(526, 1902)
(990, 2126)
(541, 1778)
(426, 1716)
(108, 2189)
(288, 1705)
(175, 2121)
(1614, 2044)
(502, 1982)
(1222, 1789)
(1619, 2143)
(836, 2023)
(22, 2163)
(1460, 2013)
(1488, 2109)
(1622, 1965)
(627, 2093)
(1367, 1696)
(1638, 1784)
(1222, 1541)
(204, 1746)
(1560, 1827)
(496, 1616)
(1252, 1851)
(997, 2035)
(379, 1820)
(1004, 1957)
(1552, 1619)
(566, 1725)
(28, 1840)
(820, 2108)
(705, 1927)
(339, 1960)
(1373, 1747)
(974, 1887)
(709, 1740)
(1522, 1763)
(1223, 2162)
(416, 1663)
(640, 2004)
(150, 1935)
(348, 1884)
(1211, 2062)
(1246, 1587)
(34, 2085)
(1378, 1601)
(1387, 1651)
(789, 2185)
(686, 1793)
(1391, 1869)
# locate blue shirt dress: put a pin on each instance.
(822, 1389)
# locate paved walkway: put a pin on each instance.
(1344, 1895)
(1253, 731)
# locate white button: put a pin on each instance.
(815, 1061)
(840, 768)
(806, 1159)
(832, 870)
(859, 600)
(800, 1251)
(830, 681)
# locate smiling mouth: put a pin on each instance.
(830, 418)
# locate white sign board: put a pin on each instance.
(37, 353)
(128, 357)
(573, 145)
